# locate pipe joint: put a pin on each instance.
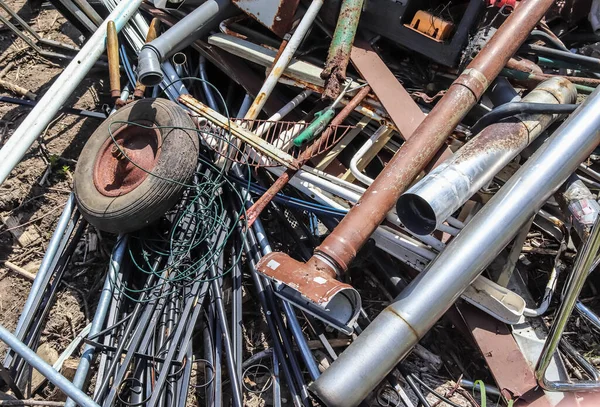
(149, 67)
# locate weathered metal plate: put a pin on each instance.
(276, 15)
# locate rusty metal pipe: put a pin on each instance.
(140, 88)
(338, 250)
(360, 222)
(428, 203)
(415, 311)
(334, 72)
(112, 49)
(255, 210)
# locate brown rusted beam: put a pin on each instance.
(403, 110)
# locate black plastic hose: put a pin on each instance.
(511, 109)
(583, 61)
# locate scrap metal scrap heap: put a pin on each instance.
(338, 203)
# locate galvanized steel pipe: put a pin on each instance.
(401, 325)
(428, 203)
(175, 38)
(45, 110)
(45, 369)
(87, 355)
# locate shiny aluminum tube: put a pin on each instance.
(382, 131)
(428, 203)
(45, 110)
(45, 369)
(177, 37)
(179, 60)
(101, 311)
(574, 285)
(390, 337)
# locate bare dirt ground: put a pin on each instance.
(32, 198)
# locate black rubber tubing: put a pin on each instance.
(514, 108)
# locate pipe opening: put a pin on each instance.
(179, 58)
(151, 79)
(416, 214)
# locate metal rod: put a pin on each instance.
(45, 369)
(112, 49)
(402, 324)
(101, 311)
(575, 283)
(334, 72)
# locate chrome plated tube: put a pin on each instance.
(186, 31)
(45, 369)
(45, 110)
(575, 284)
(428, 203)
(101, 311)
(413, 313)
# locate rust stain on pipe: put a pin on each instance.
(112, 49)
(362, 220)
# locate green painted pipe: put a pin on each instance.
(341, 45)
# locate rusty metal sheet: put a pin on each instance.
(403, 110)
(509, 367)
(276, 15)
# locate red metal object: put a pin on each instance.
(502, 3)
(115, 173)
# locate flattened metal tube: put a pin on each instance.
(399, 327)
(427, 204)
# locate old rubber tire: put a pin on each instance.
(174, 158)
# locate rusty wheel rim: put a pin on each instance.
(114, 172)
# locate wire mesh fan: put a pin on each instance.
(279, 135)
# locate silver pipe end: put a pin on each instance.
(416, 214)
(179, 58)
(149, 68)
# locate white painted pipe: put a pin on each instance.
(45, 110)
(284, 59)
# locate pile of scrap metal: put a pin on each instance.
(425, 146)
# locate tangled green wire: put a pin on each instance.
(170, 262)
